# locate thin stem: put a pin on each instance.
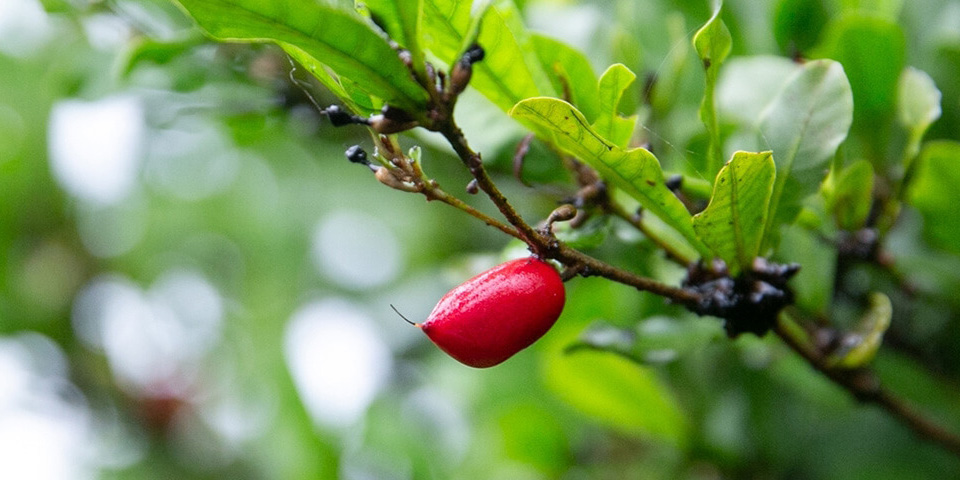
(865, 387)
(434, 192)
(672, 252)
(550, 247)
(590, 266)
(472, 160)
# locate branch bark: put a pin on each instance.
(864, 385)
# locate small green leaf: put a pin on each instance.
(636, 171)
(609, 124)
(918, 99)
(918, 106)
(712, 43)
(803, 126)
(338, 39)
(713, 40)
(510, 71)
(935, 194)
(859, 346)
(562, 61)
(619, 393)
(732, 224)
(850, 195)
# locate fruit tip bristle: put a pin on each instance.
(404, 318)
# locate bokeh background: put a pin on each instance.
(195, 283)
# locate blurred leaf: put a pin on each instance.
(732, 224)
(872, 52)
(402, 21)
(510, 71)
(797, 24)
(935, 193)
(850, 195)
(144, 49)
(618, 393)
(588, 236)
(533, 435)
(886, 9)
(814, 284)
(747, 85)
(335, 38)
(918, 99)
(609, 124)
(636, 171)
(712, 43)
(563, 61)
(803, 127)
(859, 346)
(655, 340)
(918, 106)
(670, 74)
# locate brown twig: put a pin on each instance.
(865, 386)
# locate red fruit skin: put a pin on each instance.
(494, 315)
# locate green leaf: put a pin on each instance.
(636, 171)
(813, 285)
(562, 61)
(918, 106)
(850, 195)
(797, 24)
(858, 347)
(346, 90)
(510, 71)
(588, 236)
(609, 124)
(886, 9)
(655, 340)
(618, 393)
(935, 194)
(747, 85)
(143, 49)
(402, 20)
(338, 39)
(712, 43)
(872, 52)
(803, 126)
(732, 224)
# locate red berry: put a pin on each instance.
(494, 315)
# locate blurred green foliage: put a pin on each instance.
(175, 304)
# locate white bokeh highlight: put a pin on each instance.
(95, 147)
(356, 250)
(24, 27)
(44, 424)
(337, 360)
(153, 339)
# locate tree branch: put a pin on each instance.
(865, 386)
